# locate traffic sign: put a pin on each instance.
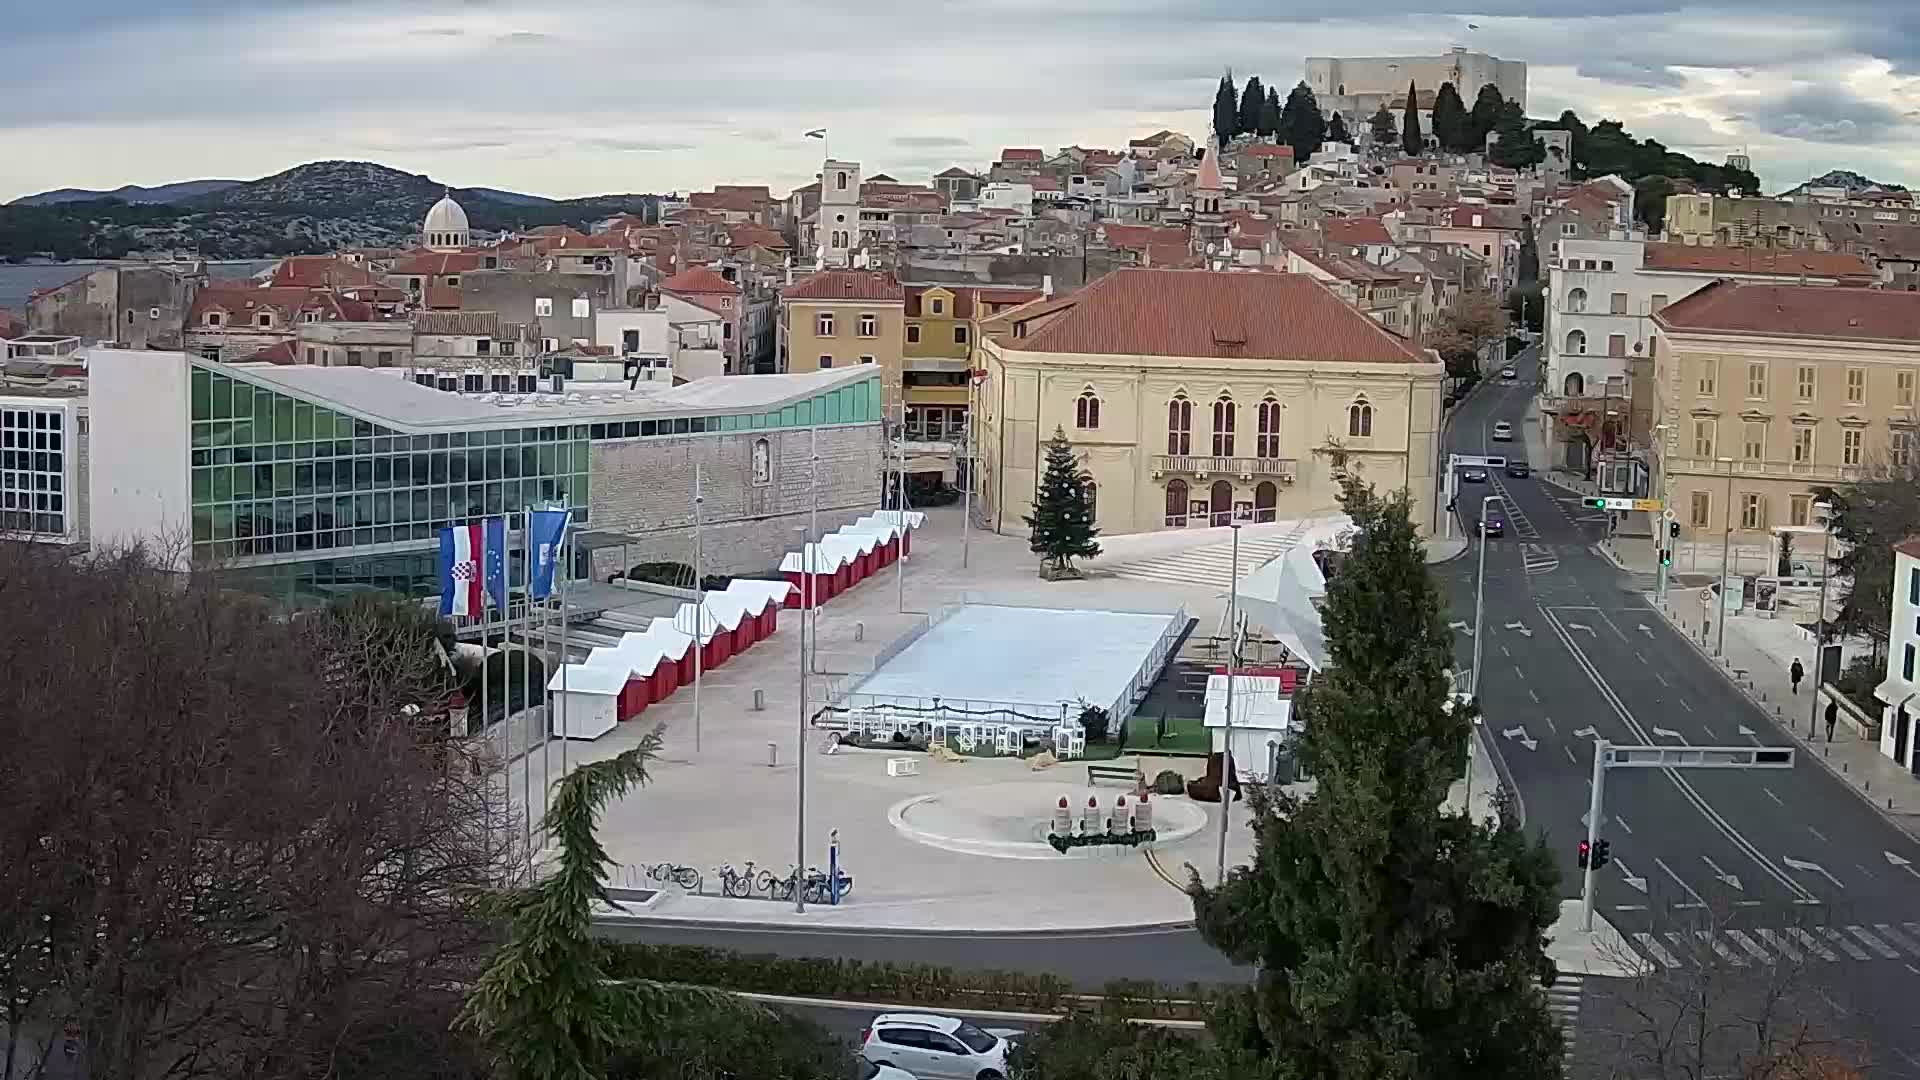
(1669, 514)
(1614, 503)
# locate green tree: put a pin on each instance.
(1868, 517)
(1337, 130)
(1392, 938)
(1270, 114)
(1253, 98)
(1452, 127)
(1385, 132)
(1410, 136)
(1650, 202)
(1528, 269)
(1083, 1047)
(1301, 125)
(1516, 148)
(1526, 305)
(1062, 520)
(1486, 111)
(1226, 111)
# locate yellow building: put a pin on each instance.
(1192, 396)
(1762, 392)
(842, 318)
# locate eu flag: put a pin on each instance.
(496, 561)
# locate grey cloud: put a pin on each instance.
(928, 142)
(440, 31)
(524, 37)
(631, 146)
(1828, 114)
(1628, 73)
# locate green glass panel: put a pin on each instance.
(243, 481)
(238, 433)
(303, 421)
(222, 483)
(282, 479)
(202, 394)
(803, 413)
(222, 398)
(580, 457)
(322, 423)
(283, 426)
(202, 525)
(223, 522)
(202, 487)
(248, 401)
(202, 434)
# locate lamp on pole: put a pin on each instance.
(1824, 515)
(1480, 598)
(1226, 758)
(1726, 548)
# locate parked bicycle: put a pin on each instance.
(736, 883)
(684, 876)
(818, 889)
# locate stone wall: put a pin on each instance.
(644, 488)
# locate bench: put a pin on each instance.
(1126, 774)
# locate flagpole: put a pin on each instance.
(561, 570)
(699, 606)
(526, 674)
(813, 536)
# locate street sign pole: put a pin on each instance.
(1595, 806)
(1665, 552)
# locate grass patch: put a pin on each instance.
(1186, 736)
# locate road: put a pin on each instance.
(1768, 869)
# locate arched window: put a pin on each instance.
(1093, 498)
(1265, 498)
(1220, 503)
(1086, 411)
(1577, 341)
(1176, 503)
(1576, 385)
(1179, 426)
(1577, 300)
(1267, 443)
(1360, 419)
(1223, 411)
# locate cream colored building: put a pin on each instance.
(844, 318)
(1768, 391)
(1193, 395)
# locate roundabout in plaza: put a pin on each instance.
(1013, 820)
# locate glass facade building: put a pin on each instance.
(34, 470)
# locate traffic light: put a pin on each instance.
(1584, 848)
(1600, 855)
(1673, 529)
(1594, 503)
(1666, 556)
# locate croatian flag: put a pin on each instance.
(472, 564)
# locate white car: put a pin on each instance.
(869, 1071)
(1502, 432)
(1509, 374)
(930, 1047)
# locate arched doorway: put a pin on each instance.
(1575, 385)
(1176, 503)
(1221, 500)
(1265, 498)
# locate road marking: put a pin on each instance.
(1505, 653)
(1582, 626)
(1655, 951)
(1780, 943)
(1817, 834)
(1684, 705)
(1680, 945)
(1802, 864)
(1771, 795)
(1585, 733)
(1550, 725)
(1662, 678)
(1724, 952)
(1461, 625)
(1708, 732)
(1570, 756)
(1517, 671)
(1748, 944)
(1637, 656)
(1534, 696)
(1811, 943)
(1837, 938)
(1519, 734)
(1668, 733)
(1725, 878)
(1898, 938)
(1520, 628)
(1622, 822)
(1668, 870)
(1638, 883)
(1629, 907)
(1873, 943)
(1895, 860)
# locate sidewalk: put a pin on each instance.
(1762, 672)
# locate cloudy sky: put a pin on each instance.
(577, 97)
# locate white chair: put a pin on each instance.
(1077, 742)
(939, 737)
(967, 737)
(1010, 740)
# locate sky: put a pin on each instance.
(579, 97)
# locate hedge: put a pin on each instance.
(920, 985)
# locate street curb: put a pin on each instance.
(683, 922)
(1898, 820)
(983, 1014)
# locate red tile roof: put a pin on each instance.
(699, 281)
(1203, 313)
(1104, 158)
(280, 352)
(1742, 260)
(1140, 237)
(442, 297)
(746, 235)
(1910, 547)
(1022, 154)
(313, 271)
(1800, 311)
(1267, 150)
(11, 325)
(845, 285)
(242, 302)
(1356, 232)
(738, 202)
(952, 173)
(437, 263)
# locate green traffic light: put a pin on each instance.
(1597, 504)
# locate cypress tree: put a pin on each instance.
(1252, 99)
(1301, 125)
(1410, 138)
(1486, 111)
(1337, 130)
(1452, 128)
(1385, 131)
(1226, 113)
(1062, 521)
(1392, 937)
(1270, 114)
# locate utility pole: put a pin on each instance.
(1226, 758)
(1480, 597)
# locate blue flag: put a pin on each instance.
(495, 530)
(546, 534)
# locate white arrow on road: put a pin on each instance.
(1520, 734)
(1632, 882)
(1461, 625)
(1585, 732)
(1895, 860)
(1520, 628)
(1725, 878)
(1643, 629)
(1745, 730)
(1581, 626)
(1666, 734)
(1802, 864)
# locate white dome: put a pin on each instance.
(446, 225)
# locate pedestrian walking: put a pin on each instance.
(1833, 717)
(1796, 673)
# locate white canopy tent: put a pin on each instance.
(1280, 596)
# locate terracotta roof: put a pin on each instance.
(1045, 183)
(1245, 223)
(11, 325)
(845, 285)
(1266, 150)
(457, 323)
(1203, 313)
(442, 297)
(280, 352)
(746, 235)
(1345, 268)
(1139, 237)
(962, 300)
(240, 302)
(313, 271)
(1731, 260)
(738, 202)
(1022, 154)
(953, 172)
(437, 263)
(1910, 547)
(758, 191)
(1802, 311)
(699, 281)
(1209, 178)
(1356, 232)
(1104, 157)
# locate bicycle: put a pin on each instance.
(776, 888)
(684, 876)
(817, 889)
(736, 884)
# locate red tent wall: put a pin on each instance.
(796, 598)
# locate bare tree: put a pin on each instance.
(1713, 995)
(234, 842)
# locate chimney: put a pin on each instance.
(1046, 286)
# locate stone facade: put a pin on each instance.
(131, 306)
(645, 489)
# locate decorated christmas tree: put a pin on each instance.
(1062, 520)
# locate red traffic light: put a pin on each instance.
(1586, 850)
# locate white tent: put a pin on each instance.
(586, 699)
(757, 594)
(1280, 597)
(1261, 719)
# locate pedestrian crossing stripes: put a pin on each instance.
(1212, 564)
(1737, 947)
(1563, 1000)
(1539, 558)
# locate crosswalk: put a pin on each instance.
(1212, 564)
(1744, 946)
(1539, 558)
(1563, 999)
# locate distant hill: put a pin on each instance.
(1844, 178)
(129, 193)
(317, 207)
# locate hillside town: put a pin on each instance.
(1381, 275)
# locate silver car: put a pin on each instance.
(1502, 432)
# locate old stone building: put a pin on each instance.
(133, 307)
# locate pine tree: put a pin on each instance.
(1337, 130)
(1253, 98)
(1486, 110)
(1410, 138)
(1527, 272)
(1301, 124)
(1270, 114)
(1390, 937)
(1516, 147)
(1385, 131)
(1062, 522)
(1226, 113)
(1452, 128)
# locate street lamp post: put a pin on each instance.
(1726, 548)
(1824, 512)
(1226, 758)
(1480, 597)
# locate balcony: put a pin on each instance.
(1286, 470)
(1770, 470)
